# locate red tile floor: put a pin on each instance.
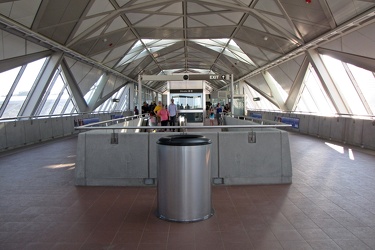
(329, 205)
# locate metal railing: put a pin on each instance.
(104, 125)
(20, 118)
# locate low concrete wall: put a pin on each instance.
(19, 133)
(261, 157)
(234, 121)
(237, 157)
(14, 134)
(347, 130)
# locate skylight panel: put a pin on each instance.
(239, 56)
(139, 50)
(155, 42)
(222, 41)
(233, 43)
(211, 43)
(218, 45)
(154, 45)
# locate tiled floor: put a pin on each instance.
(330, 205)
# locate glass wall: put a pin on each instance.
(355, 85)
(21, 86)
(188, 100)
(314, 98)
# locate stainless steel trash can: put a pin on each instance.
(184, 178)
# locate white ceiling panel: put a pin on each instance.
(22, 11)
(172, 8)
(122, 2)
(100, 6)
(110, 85)
(272, 29)
(156, 21)
(253, 23)
(11, 45)
(269, 6)
(117, 24)
(213, 20)
(86, 24)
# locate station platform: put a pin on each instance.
(329, 205)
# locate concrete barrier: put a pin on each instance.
(343, 129)
(260, 156)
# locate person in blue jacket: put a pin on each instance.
(219, 110)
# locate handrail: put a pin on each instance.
(183, 128)
(257, 119)
(94, 126)
(17, 118)
(312, 113)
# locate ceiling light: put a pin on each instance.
(265, 38)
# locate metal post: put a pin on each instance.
(232, 94)
(139, 92)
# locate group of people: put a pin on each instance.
(182, 107)
(217, 112)
(161, 114)
(164, 114)
(147, 108)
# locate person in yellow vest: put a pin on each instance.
(156, 109)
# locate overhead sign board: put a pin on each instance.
(185, 77)
(186, 91)
(205, 77)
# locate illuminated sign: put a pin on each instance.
(186, 91)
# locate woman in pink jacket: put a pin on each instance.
(164, 116)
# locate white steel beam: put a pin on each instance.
(73, 86)
(296, 88)
(97, 92)
(327, 82)
(274, 91)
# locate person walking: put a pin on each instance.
(144, 108)
(156, 110)
(152, 106)
(163, 114)
(136, 111)
(212, 115)
(172, 109)
(219, 110)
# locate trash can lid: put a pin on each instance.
(184, 140)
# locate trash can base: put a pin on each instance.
(162, 217)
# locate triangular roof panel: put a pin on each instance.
(100, 6)
(86, 24)
(117, 23)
